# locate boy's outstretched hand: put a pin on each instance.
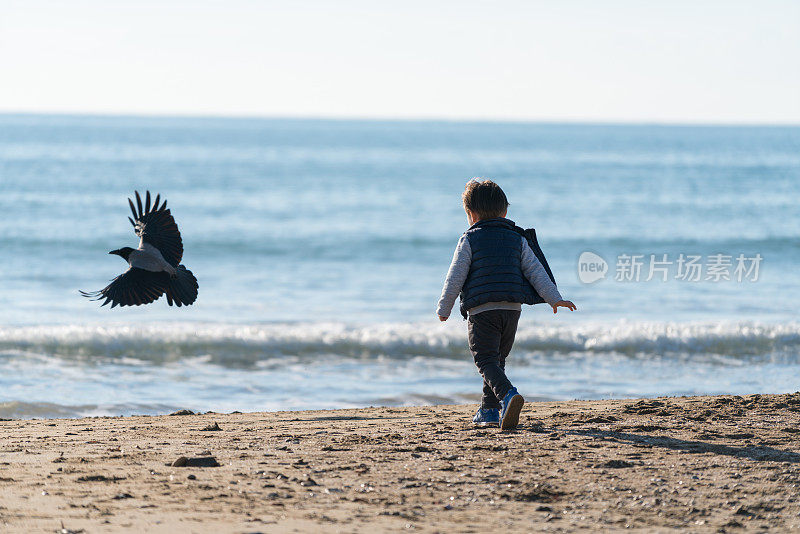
(442, 318)
(563, 304)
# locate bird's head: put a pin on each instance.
(123, 252)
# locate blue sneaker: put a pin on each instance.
(487, 416)
(511, 406)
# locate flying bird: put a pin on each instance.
(154, 269)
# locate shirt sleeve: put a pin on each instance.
(536, 274)
(456, 276)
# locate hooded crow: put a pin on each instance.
(154, 268)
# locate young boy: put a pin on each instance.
(495, 271)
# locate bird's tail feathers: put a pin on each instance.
(182, 290)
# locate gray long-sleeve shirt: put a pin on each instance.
(532, 268)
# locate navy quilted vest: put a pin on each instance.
(495, 274)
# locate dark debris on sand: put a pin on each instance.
(183, 412)
(200, 461)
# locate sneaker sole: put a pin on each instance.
(511, 419)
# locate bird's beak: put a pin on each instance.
(114, 252)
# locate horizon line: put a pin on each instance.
(388, 118)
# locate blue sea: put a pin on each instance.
(321, 246)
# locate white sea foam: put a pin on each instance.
(237, 344)
(80, 370)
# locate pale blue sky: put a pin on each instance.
(669, 61)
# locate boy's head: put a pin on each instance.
(483, 199)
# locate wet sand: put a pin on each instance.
(702, 464)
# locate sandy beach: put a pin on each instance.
(703, 464)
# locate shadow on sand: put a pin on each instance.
(753, 452)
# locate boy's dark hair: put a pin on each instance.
(485, 199)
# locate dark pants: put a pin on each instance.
(491, 335)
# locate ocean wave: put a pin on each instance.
(358, 154)
(46, 410)
(244, 345)
(303, 244)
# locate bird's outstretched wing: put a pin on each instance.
(156, 226)
(132, 288)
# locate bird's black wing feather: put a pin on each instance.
(156, 226)
(182, 290)
(132, 288)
